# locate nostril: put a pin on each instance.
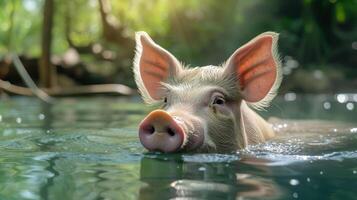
(171, 132)
(149, 129)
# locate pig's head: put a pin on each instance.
(201, 108)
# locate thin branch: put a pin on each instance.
(28, 81)
(76, 90)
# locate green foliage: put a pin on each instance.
(197, 32)
(20, 26)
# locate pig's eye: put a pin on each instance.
(218, 101)
(165, 100)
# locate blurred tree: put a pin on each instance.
(47, 71)
(316, 33)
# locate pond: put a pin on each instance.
(88, 148)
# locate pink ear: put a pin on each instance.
(256, 67)
(152, 66)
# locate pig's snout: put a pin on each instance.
(160, 132)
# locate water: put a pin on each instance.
(87, 148)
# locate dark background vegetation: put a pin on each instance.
(68, 43)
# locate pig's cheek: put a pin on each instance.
(221, 110)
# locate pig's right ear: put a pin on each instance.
(257, 68)
(152, 66)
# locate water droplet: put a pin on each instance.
(41, 116)
(201, 169)
(327, 105)
(18, 120)
(308, 179)
(321, 172)
(341, 98)
(295, 195)
(294, 182)
(291, 96)
(350, 106)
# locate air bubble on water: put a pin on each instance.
(308, 179)
(321, 172)
(350, 106)
(18, 120)
(295, 195)
(41, 116)
(327, 105)
(294, 182)
(202, 169)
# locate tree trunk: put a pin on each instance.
(47, 72)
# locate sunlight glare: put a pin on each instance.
(30, 5)
(341, 98)
(18, 120)
(294, 182)
(41, 116)
(350, 106)
(327, 105)
(291, 96)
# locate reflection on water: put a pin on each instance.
(87, 148)
(169, 177)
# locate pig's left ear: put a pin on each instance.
(152, 66)
(257, 69)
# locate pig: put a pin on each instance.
(210, 108)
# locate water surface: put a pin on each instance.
(87, 148)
